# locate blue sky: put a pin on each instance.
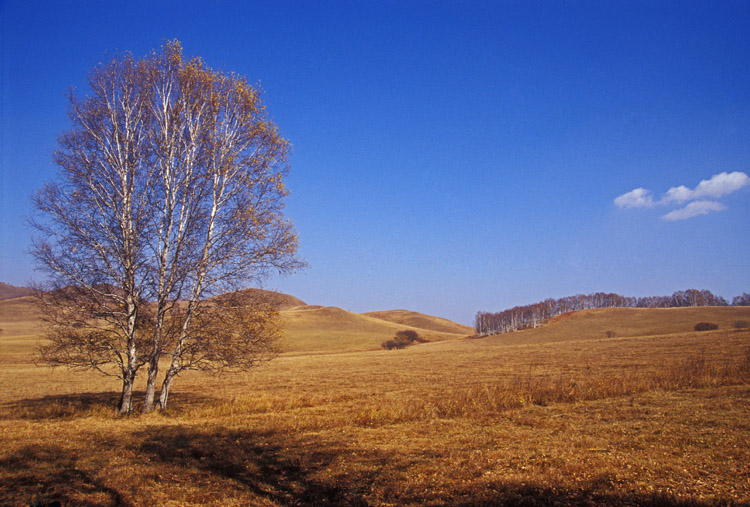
(449, 157)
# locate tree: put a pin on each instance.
(170, 191)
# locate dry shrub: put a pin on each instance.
(706, 326)
(402, 339)
(394, 345)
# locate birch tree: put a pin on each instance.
(92, 223)
(170, 192)
(230, 222)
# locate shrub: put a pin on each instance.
(407, 335)
(611, 334)
(401, 340)
(706, 326)
(740, 324)
(394, 344)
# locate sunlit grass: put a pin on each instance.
(643, 420)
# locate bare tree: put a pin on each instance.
(170, 192)
(230, 332)
(95, 217)
(232, 203)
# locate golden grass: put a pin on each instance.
(329, 329)
(421, 321)
(630, 420)
(592, 324)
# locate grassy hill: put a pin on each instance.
(280, 300)
(314, 329)
(307, 328)
(329, 329)
(11, 291)
(625, 322)
(19, 326)
(421, 321)
(559, 415)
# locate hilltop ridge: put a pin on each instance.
(306, 327)
(8, 291)
(603, 323)
(421, 320)
(329, 328)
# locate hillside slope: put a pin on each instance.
(8, 291)
(626, 322)
(330, 329)
(422, 321)
(307, 328)
(280, 300)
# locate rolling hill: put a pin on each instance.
(8, 291)
(278, 299)
(625, 322)
(326, 329)
(564, 400)
(314, 328)
(421, 321)
(307, 328)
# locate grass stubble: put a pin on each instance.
(646, 420)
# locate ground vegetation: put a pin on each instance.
(657, 415)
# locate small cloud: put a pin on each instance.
(694, 209)
(719, 184)
(638, 198)
(700, 201)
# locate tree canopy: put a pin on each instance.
(170, 192)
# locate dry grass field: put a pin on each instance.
(316, 329)
(561, 415)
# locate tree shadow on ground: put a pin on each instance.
(207, 464)
(50, 476)
(68, 406)
(266, 465)
(515, 494)
(292, 469)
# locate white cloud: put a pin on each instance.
(677, 194)
(719, 184)
(700, 201)
(694, 209)
(638, 198)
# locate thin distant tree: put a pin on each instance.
(170, 192)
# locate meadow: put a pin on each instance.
(649, 413)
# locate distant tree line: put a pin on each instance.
(534, 315)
